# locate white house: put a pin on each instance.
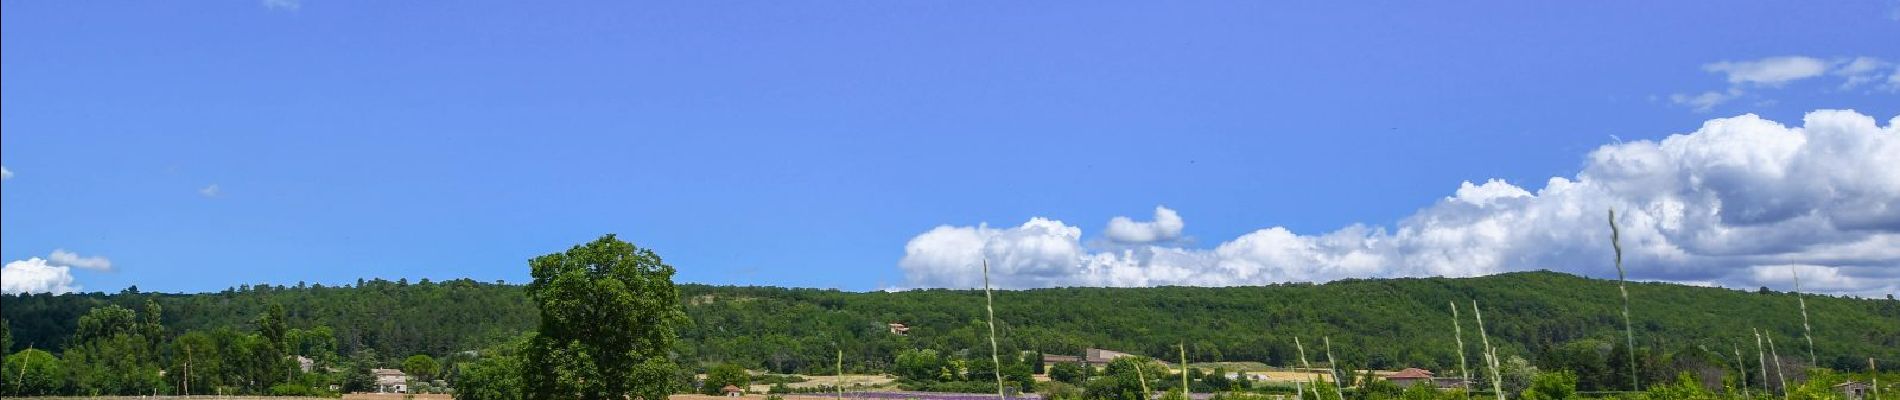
(390, 380)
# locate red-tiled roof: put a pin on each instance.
(1411, 373)
(730, 389)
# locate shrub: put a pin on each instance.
(1561, 385)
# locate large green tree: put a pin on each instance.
(608, 315)
(421, 366)
(33, 372)
(270, 362)
(725, 374)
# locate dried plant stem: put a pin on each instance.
(1184, 380)
(1458, 331)
(840, 374)
(1629, 335)
(1339, 386)
(1806, 331)
(1305, 365)
(989, 305)
(1763, 361)
(1779, 374)
(1873, 377)
(1741, 369)
(1144, 381)
(1490, 353)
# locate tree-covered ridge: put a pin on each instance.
(391, 317)
(1378, 323)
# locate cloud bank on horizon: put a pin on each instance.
(1740, 202)
(52, 274)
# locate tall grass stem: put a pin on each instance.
(989, 305)
(1629, 335)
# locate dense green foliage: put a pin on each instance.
(723, 375)
(1554, 322)
(608, 315)
(496, 375)
(393, 318)
(421, 366)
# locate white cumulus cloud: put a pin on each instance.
(35, 275)
(62, 257)
(1733, 203)
(5, 173)
(1166, 226)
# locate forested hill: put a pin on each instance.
(1380, 323)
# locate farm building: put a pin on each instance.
(1852, 390)
(1411, 376)
(1090, 357)
(389, 380)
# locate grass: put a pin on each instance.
(1779, 374)
(1458, 331)
(1184, 368)
(1806, 331)
(1490, 353)
(1332, 368)
(989, 305)
(1763, 361)
(1304, 364)
(1741, 370)
(1629, 336)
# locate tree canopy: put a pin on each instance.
(609, 311)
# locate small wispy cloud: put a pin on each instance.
(5, 173)
(61, 257)
(211, 191)
(1770, 71)
(1747, 77)
(1705, 101)
(286, 5)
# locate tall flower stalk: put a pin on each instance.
(1741, 370)
(1490, 353)
(1763, 361)
(1629, 335)
(1458, 331)
(1184, 367)
(1873, 377)
(989, 305)
(1143, 378)
(1305, 365)
(1339, 386)
(1806, 331)
(840, 382)
(1779, 374)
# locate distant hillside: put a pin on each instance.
(1380, 323)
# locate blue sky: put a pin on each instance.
(203, 145)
